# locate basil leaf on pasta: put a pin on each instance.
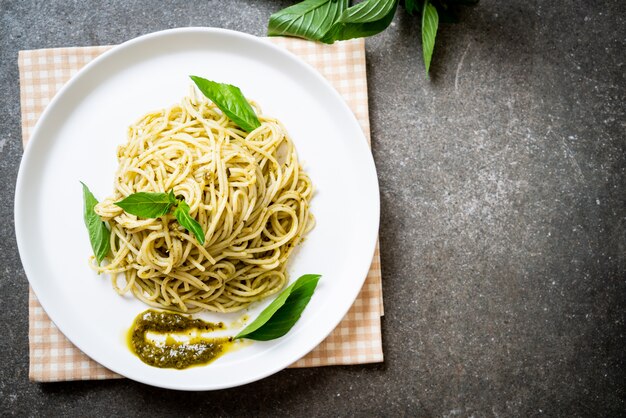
(186, 221)
(280, 316)
(99, 234)
(230, 100)
(309, 19)
(148, 205)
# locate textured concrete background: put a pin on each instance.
(503, 216)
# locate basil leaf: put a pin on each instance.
(148, 205)
(280, 316)
(190, 224)
(309, 19)
(230, 100)
(99, 234)
(412, 6)
(363, 19)
(430, 22)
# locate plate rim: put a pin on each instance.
(36, 137)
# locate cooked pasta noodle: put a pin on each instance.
(247, 191)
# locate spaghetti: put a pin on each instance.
(247, 191)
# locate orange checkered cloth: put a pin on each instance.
(357, 339)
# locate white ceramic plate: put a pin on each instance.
(76, 140)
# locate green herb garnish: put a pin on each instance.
(366, 18)
(230, 100)
(430, 22)
(99, 234)
(310, 19)
(333, 20)
(190, 224)
(154, 205)
(411, 6)
(280, 316)
(148, 205)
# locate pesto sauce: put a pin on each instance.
(172, 354)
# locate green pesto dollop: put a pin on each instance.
(172, 354)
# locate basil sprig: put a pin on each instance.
(154, 205)
(230, 100)
(332, 20)
(335, 20)
(99, 234)
(281, 315)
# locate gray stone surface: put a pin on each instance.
(502, 225)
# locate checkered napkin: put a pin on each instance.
(357, 339)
